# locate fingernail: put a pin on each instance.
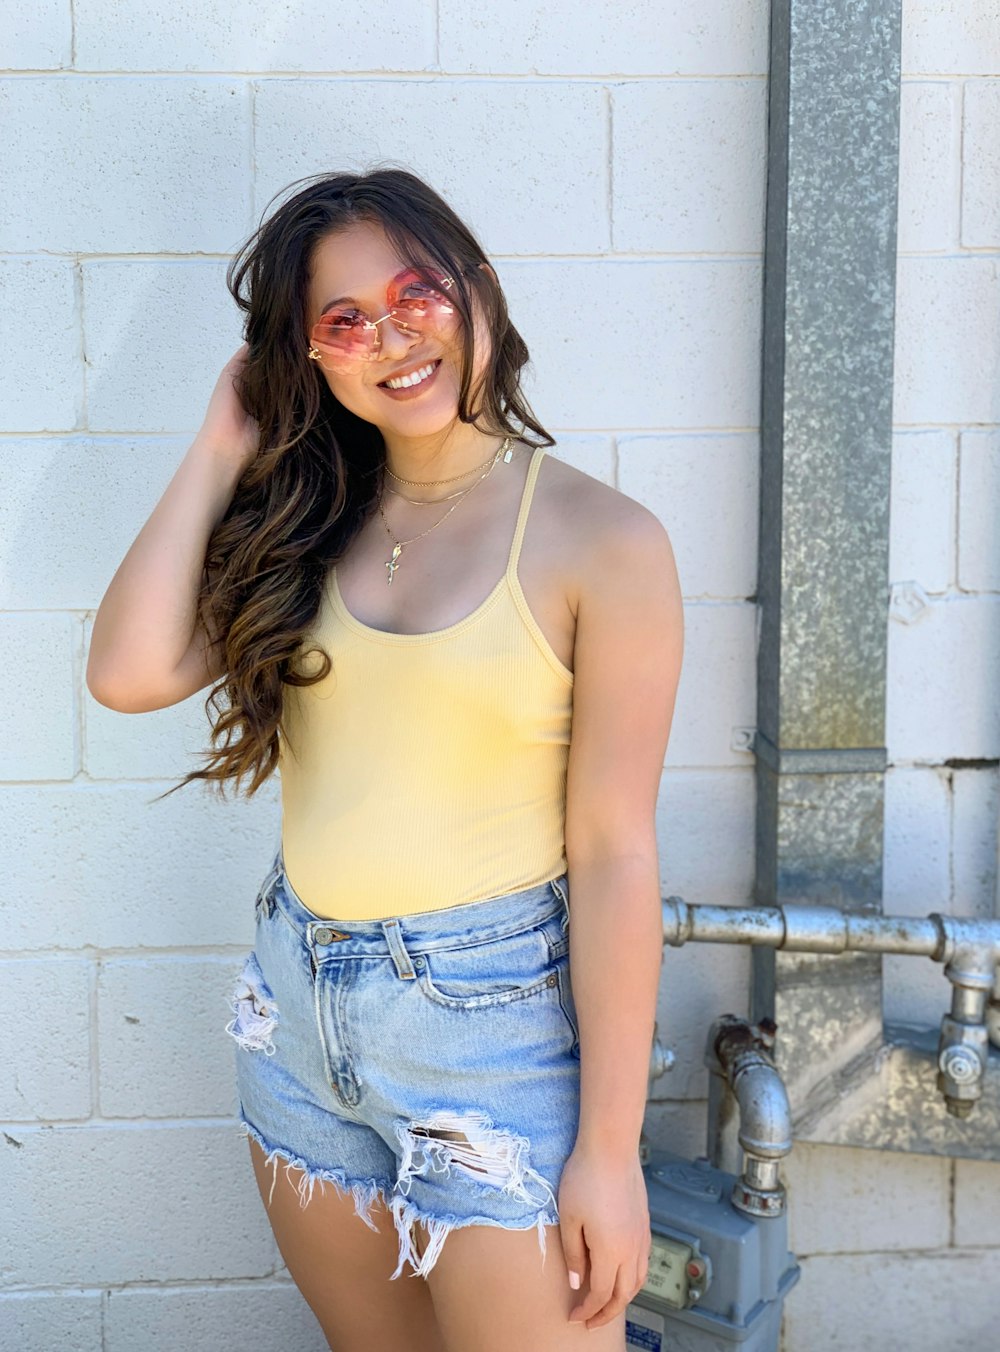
(574, 1280)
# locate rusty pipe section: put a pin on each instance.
(749, 1116)
(969, 950)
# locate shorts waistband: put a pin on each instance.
(421, 931)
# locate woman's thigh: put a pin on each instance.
(342, 1267)
(492, 1293)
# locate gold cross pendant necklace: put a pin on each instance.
(397, 547)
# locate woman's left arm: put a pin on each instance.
(627, 661)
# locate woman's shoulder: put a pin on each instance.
(595, 540)
(594, 514)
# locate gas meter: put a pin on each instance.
(717, 1277)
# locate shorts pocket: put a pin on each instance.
(567, 1003)
(494, 971)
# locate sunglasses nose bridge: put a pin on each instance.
(376, 331)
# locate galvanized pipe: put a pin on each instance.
(825, 929)
(970, 950)
(749, 1117)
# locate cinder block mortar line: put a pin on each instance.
(967, 251)
(72, 33)
(121, 1124)
(18, 1289)
(251, 155)
(81, 333)
(950, 781)
(94, 976)
(937, 1250)
(437, 34)
(953, 593)
(78, 667)
(81, 434)
(906, 763)
(424, 76)
(76, 256)
(614, 255)
(961, 163)
(924, 76)
(958, 146)
(91, 953)
(944, 427)
(610, 148)
(958, 254)
(273, 1278)
(956, 523)
(49, 1288)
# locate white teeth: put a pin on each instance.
(404, 382)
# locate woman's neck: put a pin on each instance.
(431, 458)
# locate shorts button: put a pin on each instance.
(551, 979)
(323, 935)
(418, 964)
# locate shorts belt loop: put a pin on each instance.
(394, 938)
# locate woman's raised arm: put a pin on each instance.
(148, 649)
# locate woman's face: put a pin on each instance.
(355, 265)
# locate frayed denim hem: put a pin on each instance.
(404, 1212)
(438, 1228)
(365, 1194)
(493, 1156)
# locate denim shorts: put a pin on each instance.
(431, 1060)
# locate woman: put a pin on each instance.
(409, 606)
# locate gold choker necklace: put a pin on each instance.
(433, 483)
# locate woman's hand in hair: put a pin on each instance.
(228, 429)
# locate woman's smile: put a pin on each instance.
(416, 379)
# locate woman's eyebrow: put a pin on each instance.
(339, 301)
(408, 267)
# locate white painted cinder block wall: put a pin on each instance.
(612, 159)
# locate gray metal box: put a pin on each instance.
(747, 1269)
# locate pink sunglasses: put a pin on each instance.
(344, 337)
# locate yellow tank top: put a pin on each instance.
(427, 770)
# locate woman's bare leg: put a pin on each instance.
(342, 1268)
(491, 1294)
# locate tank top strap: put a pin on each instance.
(522, 515)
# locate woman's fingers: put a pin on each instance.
(575, 1253)
(603, 1274)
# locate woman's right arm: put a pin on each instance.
(148, 649)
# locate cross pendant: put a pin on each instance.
(393, 563)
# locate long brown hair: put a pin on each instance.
(318, 472)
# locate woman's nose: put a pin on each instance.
(395, 342)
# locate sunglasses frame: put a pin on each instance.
(349, 360)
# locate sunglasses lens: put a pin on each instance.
(417, 302)
(344, 335)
